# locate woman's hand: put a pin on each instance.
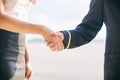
(28, 73)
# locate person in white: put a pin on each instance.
(14, 56)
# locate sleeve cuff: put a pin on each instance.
(67, 39)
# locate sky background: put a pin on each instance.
(60, 15)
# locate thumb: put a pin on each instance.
(60, 35)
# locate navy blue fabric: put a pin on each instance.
(9, 51)
(107, 11)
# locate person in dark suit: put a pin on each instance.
(107, 11)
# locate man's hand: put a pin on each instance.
(55, 43)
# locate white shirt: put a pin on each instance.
(17, 8)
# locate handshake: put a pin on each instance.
(55, 41)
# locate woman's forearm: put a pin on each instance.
(15, 25)
(12, 24)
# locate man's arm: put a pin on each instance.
(88, 29)
(85, 31)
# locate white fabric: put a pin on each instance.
(18, 9)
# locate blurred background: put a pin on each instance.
(82, 63)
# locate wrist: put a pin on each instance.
(48, 34)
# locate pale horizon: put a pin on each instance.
(60, 15)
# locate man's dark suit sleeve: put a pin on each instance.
(87, 30)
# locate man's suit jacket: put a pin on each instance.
(107, 11)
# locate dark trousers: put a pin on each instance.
(112, 67)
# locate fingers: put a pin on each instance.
(55, 44)
(60, 39)
(60, 35)
(59, 44)
(28, 75)
(52, 46)
(28, 72)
